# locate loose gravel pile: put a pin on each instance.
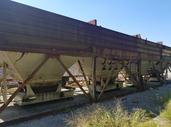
(145, 100)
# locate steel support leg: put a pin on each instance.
(4, 91)
(3, 83)
(93, 85)
(23, 84)
(140, 82)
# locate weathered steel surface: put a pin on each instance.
(27, 29)
(51, 71)
(93, 22)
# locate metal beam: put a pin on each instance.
(107, 81)
(72, 76)
(93, 86)
(83, 73)
(23, 84)
(105, 84)
(70, 35)
(140, 78)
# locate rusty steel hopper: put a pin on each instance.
(45, 84)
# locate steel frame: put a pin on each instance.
(84, 75)
(80, 40)
(92, 95)
(105, 84)
(93, 86)
(72, 76)
(24, 84)
(107, 81)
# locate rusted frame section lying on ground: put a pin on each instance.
(24, 83)
(72, 76)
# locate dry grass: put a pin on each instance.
(117, 117)
(166, 112)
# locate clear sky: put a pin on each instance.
(150, 18)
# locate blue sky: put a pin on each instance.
(150, 18)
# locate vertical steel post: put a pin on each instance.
(161, 67)
(140, 82)
(3, 83)
(93, 85)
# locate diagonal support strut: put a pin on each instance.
(72, 76)
(83, 73)
(23, 84)
(106, 83)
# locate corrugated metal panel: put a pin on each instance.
(34, 30)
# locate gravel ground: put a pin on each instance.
(145, 99)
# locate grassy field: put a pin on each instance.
(118, 117)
